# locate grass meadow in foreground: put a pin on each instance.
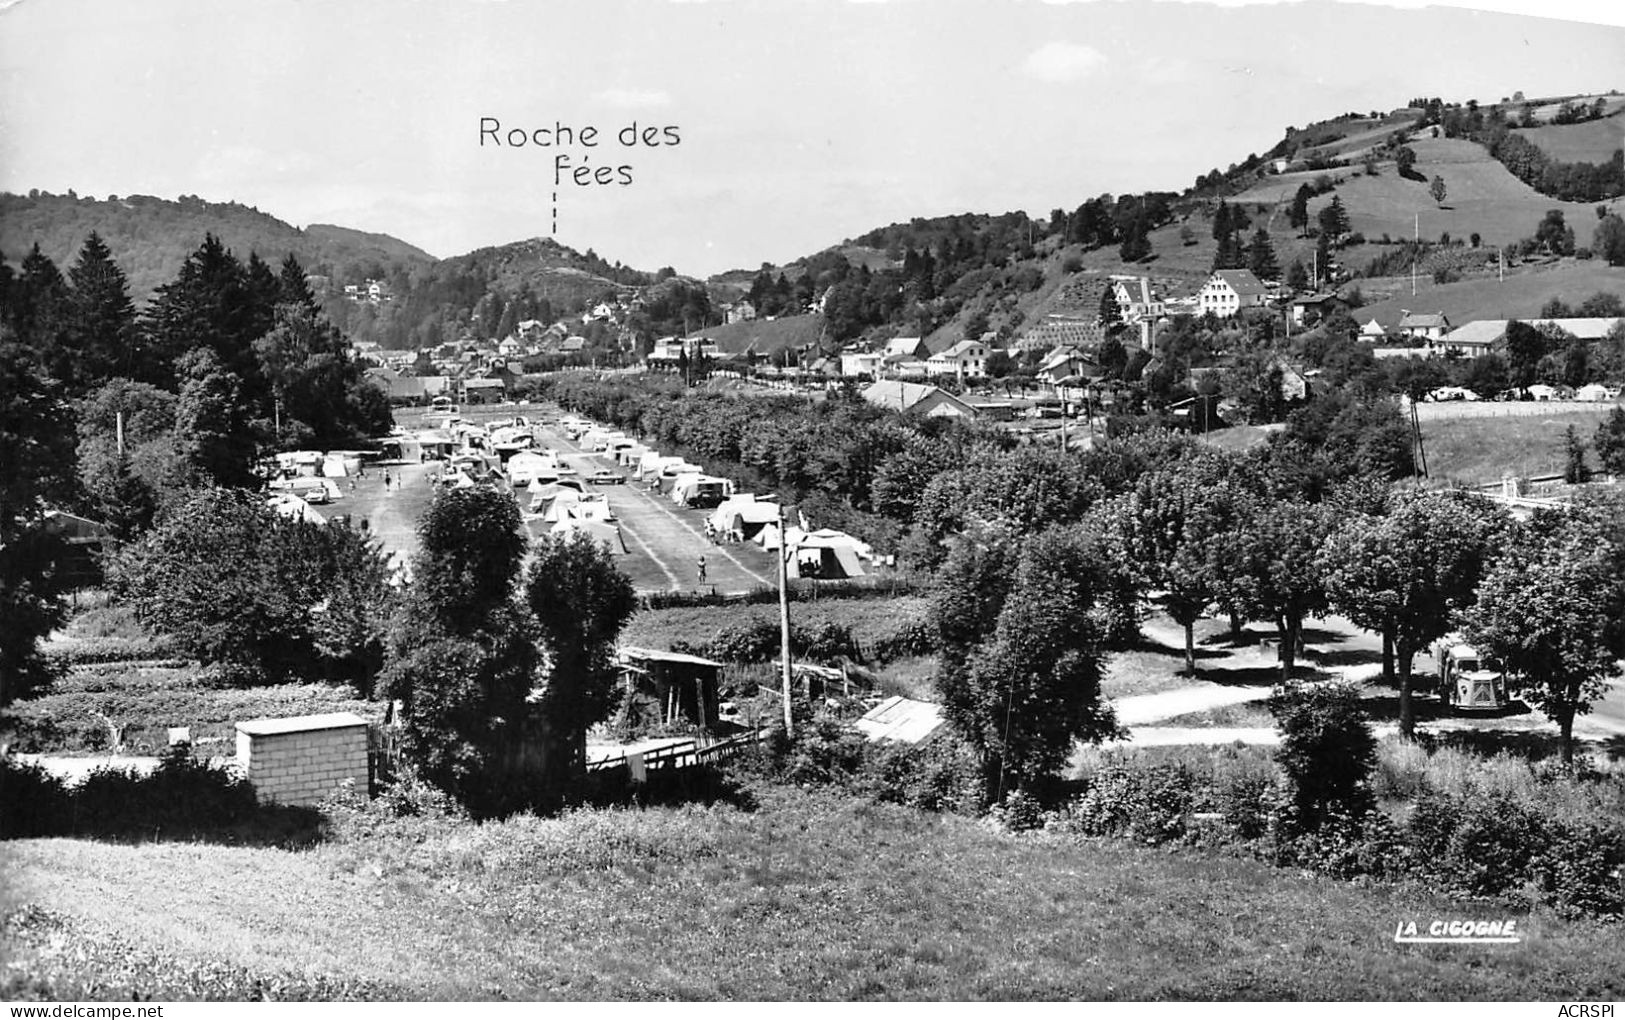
(805, 895)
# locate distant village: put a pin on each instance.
(903, 373)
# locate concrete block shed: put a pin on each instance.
(303, 759)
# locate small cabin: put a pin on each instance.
(680, 687)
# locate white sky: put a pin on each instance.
(803, 122)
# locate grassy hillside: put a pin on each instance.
(1521, 295)
(1482, 196)
(151, 237)
(1595, 141)
(1348, 137)
(767, 337)
(806, 895)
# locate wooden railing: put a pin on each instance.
(687, 754)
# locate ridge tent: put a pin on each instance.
(606, 534)
(743, 515)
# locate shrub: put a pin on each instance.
(1327, 750)
(1245, 792)
(1342, 845)
(32, 801)
(1580, 871)
(181, 796)
(1149, 804)
(1497, 844)
(826, 753)
(1020, 811)
(80, 651)
(940, 775)
(911, 638)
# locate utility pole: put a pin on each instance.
(784, 621)
(1416, 250)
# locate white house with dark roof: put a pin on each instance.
(1427, 326)
(1228, 291)
(907, 346)
(967, 358)
(1135, 298)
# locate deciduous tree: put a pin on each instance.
(581, 600)
(1545, 612)
(1024, 681)
(1403, 574)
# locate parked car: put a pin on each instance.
(604, 476)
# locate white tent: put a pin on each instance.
(294, 508)
(822, 557)
(338, 467)
(525, 468)
(823, 554)
(631, 456)
(756, 511)
(609, 535)
(545, 498)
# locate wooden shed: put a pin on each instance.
(681, 686)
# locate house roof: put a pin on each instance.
(1138, 288)
(1424, 320)
(960, 348)
(1242, 281)
(901, 719)
(653, 655)
(906, 346)
(903, 396)
(1481, 333)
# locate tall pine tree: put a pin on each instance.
(1261, 256)
(101, 318)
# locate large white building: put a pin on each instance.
(966, 359)
(1228, 291)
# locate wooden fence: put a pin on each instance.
(687, 754)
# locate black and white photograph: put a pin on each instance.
(812, 500)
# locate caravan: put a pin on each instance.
(702, 491)
(1466, 680)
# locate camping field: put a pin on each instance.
(791, 894)
(1481, 450)
(1521, 295)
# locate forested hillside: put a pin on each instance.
(152, 237)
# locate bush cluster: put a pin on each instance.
(82, 651)
(941, 774)
(181, 796)
(1482, 828)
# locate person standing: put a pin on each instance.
(702, 568)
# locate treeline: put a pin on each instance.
(907, 483)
